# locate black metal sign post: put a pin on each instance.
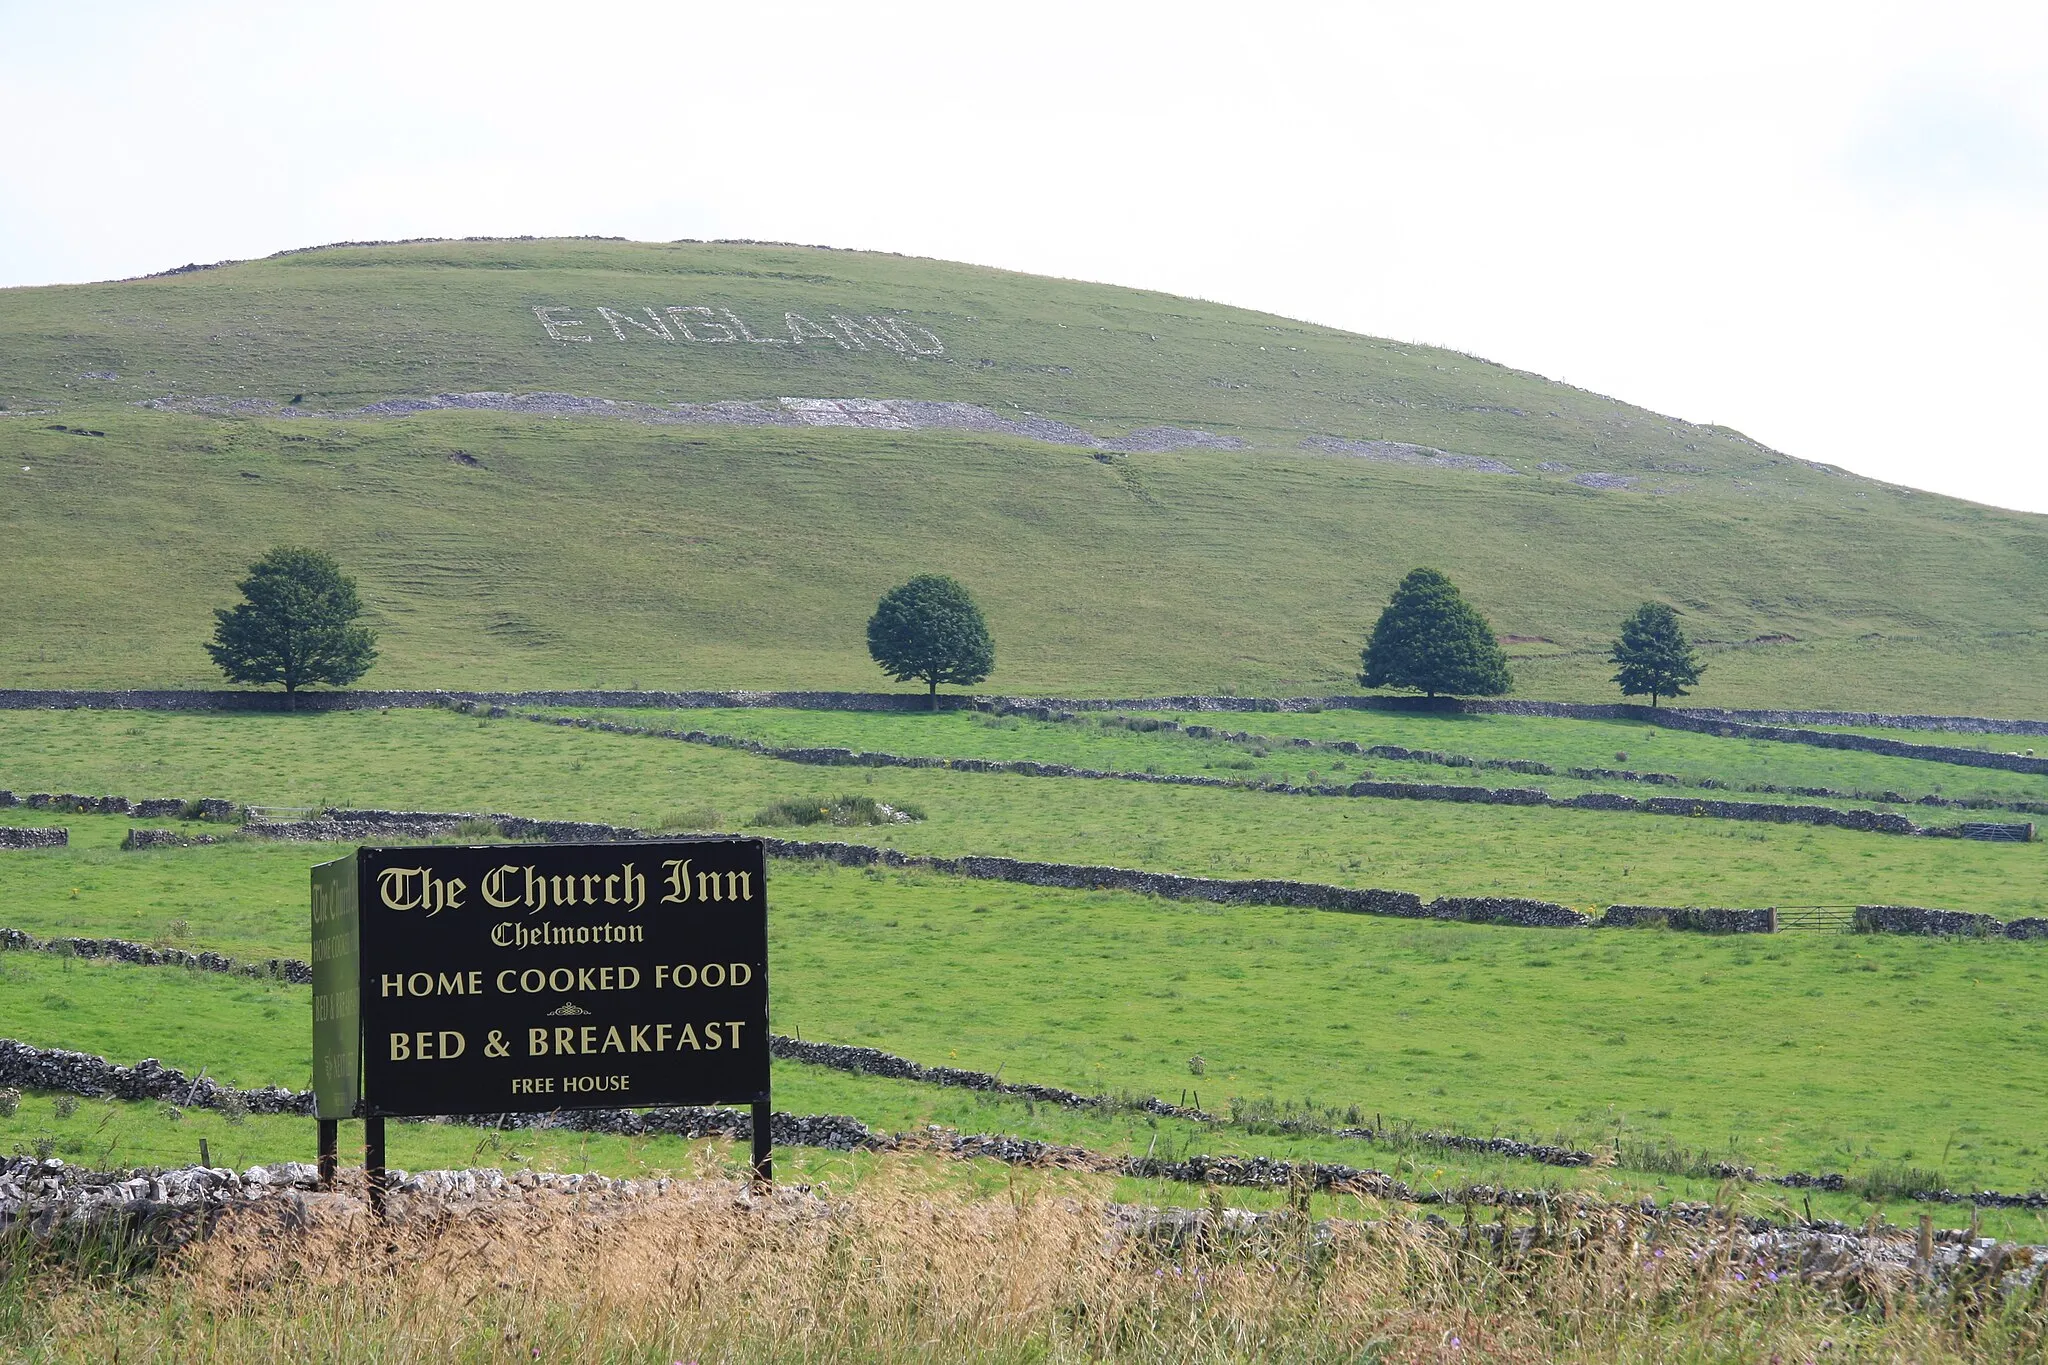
(764, 1142)
(524, 977)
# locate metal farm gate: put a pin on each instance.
(1825, 919)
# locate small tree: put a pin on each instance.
(1654, 655)
(295, 624)
(1431, 639)
(931, 630)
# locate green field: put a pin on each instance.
(1846, 1053)
(1104, 742)
(497, 549)
(1871, 1055)
(435, 760)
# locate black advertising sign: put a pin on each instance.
(540, 977)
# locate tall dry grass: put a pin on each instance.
(904, 1271)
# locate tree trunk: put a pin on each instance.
(1653, 699)
(291, 700)
(935, 694)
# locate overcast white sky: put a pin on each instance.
(1824, 225)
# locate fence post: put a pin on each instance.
(373, 1163)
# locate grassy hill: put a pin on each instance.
(173, 427)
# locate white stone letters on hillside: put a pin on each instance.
(560, 329)
(697, 323)
(659, 331)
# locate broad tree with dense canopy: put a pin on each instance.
(1431, 639)
(931, 630)
(296, 624)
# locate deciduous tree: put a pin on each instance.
(931, 630)
(296, 624)
(1654, 655)
(1433, 640)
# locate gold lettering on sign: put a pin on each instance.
(710, 886)
(512, 934)
(417, 888)
(510, 885)
(429, 983)
(428, 1046)
(688, 975)
(585, 1040)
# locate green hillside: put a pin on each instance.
(173, 427)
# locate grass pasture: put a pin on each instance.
(1102, 741)
(436, 760)
(1804, 1052)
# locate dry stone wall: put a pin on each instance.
(1697, 918)
(1913, 919)
(165, 838)
(380, 825)
(288, 969)
(350, 699)
(1869, 744)
(1882, 822)
(230, 699)
(151, 1212)
(156, 808)
(34, 836)
(55, 1070)
(81, 1073)
(1152, 724)
(1875, 720)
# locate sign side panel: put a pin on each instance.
(337, 990)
